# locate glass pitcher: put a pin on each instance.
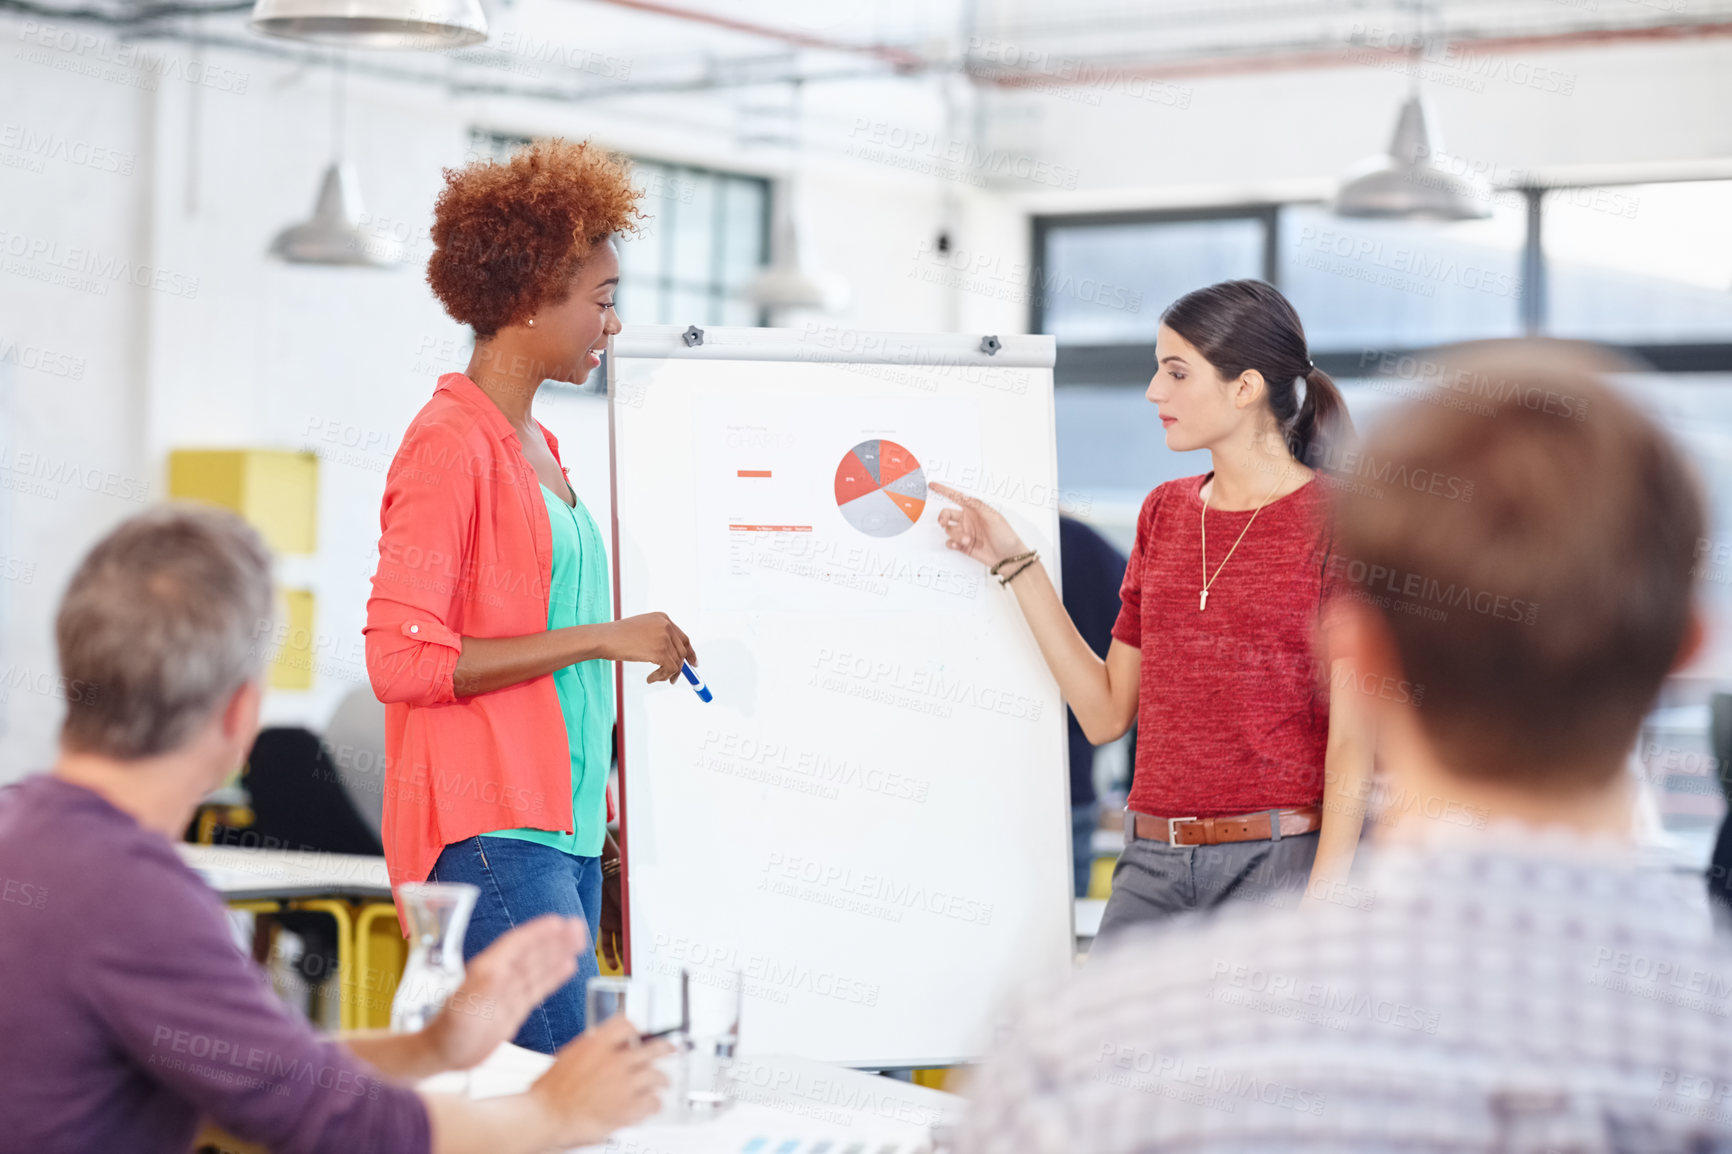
(438, 914)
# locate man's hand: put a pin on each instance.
(502, 984)
(604, 1079)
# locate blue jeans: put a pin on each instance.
(519, 881)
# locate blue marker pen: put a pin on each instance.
(698, 686)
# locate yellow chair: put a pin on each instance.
(381, 952)
(1101, 877)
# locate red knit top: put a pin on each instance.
(1232, 712)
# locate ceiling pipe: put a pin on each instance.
(1340, 56)
(1335, 56)
(901, 59)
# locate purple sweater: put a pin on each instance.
(127, 1011)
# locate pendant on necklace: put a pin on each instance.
(1203, 601)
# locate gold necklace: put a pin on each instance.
(1203, 525)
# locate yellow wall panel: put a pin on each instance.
(293, 666)
(276, 491)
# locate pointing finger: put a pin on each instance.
(946, 491)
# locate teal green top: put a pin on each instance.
(578, 594)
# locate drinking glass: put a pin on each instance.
(712, 1034)
(652, 1004)
(438, 914)
(606, 996)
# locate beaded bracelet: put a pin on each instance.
(1011, 576)
(1011, 561)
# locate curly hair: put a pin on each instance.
(508, 237)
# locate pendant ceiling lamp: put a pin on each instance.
(425, 25)
(1407, 183)
(333, 236)
(787, 283)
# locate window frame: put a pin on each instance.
(713, 290)
(1093, 364)
(664, 281)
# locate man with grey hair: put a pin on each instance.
(128, 1009)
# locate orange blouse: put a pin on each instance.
(465, 549)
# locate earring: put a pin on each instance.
(531, 322)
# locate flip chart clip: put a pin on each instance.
(693, 337)
(990, 346)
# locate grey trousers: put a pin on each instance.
(1154, 881)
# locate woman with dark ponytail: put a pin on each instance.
(1247, 784)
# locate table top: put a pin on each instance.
(782, 1105)
(1088, 916)
(241, 873)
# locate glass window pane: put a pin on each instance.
(1112, 449)
(738, 311)
(640, 256)
(742, 230)
(1107, 284)
(1380, 283)
(693, 231)
(662, 185)
(687, 307)
(701, 237)
(1640, 263)
(650, 177)
(639, 301)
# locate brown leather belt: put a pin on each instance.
(1264, 825)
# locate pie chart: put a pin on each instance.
(880, 488)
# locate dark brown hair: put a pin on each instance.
(509, 237)
(1531, 554)
(1240, 325)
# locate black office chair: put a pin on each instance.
(299, 803)
(298, 798)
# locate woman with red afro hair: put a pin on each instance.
(489, 631)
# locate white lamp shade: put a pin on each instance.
(791, 287)
(1407, 183)
(333, 236)
(426, 25)
(787, 283)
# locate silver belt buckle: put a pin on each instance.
(1173, 828)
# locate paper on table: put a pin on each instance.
(804, 1107)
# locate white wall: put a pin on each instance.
(239, 350)
(1284, 133)
(71, 460)
(102, 377)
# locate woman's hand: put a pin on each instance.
(653, 638)
(977, 529)
(604, 1079)
(501, 985)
